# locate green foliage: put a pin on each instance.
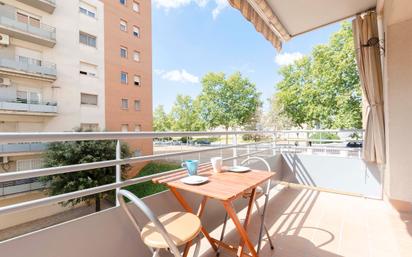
(78, 152)
(185, 115)
(323, 89)
(324, 136)
(161, 121)
(149, 188)
(275, 118)
(228, 102)
(254, 124)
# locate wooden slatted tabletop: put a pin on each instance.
(221, 186)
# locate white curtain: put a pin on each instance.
(370, 72)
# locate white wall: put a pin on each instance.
(398, 95)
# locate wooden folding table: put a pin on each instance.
(224, 187)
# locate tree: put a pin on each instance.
(323, 89)
(77, 152)
(229, 102)
(273, 119)
(161, 120)
(185, 114)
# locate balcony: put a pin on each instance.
(28, 67)
(22, 148)
(40, 108)
(36, 32)
(44, 5)
(310, 211)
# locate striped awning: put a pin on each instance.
(259, 13)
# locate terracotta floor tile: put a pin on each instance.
(305, 223)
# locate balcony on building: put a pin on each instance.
(17, 102)
(44, 5)
(28, 67)
(20, 26)
(30, 148)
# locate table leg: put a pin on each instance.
(186, 206)
(241, 229)
(247, 219)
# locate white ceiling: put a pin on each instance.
(299, 16)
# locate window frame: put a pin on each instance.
(124, 125)
(123, 25)
(136, 53)
(121, 78)
(126, 52)
(139, 105)
(85, 11)
(88, 39)
(134, 31)
(89, 104)
(124, 100)
(139, 78)
(135, 3)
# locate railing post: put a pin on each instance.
(248, 153)
(274, 144)
(118, 170)
(234, 149)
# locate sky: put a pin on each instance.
(194, 37)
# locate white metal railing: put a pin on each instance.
(26, 64)
(13, 138)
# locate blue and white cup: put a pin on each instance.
(191, 166)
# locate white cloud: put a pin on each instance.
(169, 4)
(287, 58)
(221, 5)
(174, 4)
(177, 75)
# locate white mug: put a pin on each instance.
(217, 164)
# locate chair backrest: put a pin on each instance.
(268, 184)
(149, 214)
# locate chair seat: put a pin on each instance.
(248, 194)
(181, 226)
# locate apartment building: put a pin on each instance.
(128, 66)
(58, 72)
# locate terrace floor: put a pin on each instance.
(307, 223)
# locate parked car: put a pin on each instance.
(354, 145)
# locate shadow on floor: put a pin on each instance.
(286, 216)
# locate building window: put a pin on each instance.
(136, 31)
(137, 153)
(125, 104)
(89, 127)
(136, 56)
(87, 39)
(123, 52)
(29, 164)
(88, 69)
(136, 80)
(125, 127)
(88, 99)
(137, 127)
(123, 2)
(123, 25)
(136, 6)
(123, 77)
(28, 97)
(137, 105)
(87, 10)
(28, 19)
